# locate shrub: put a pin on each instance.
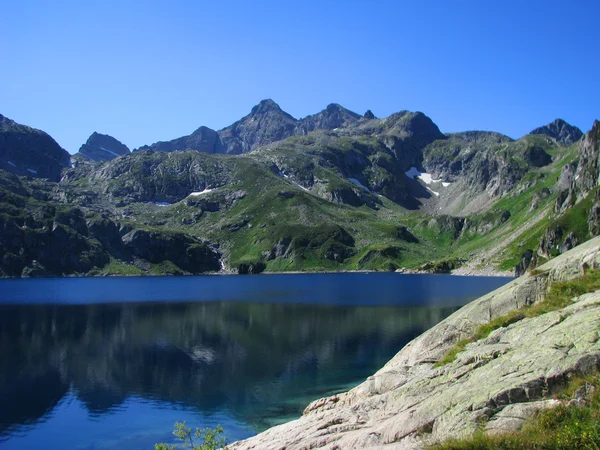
(210, 439)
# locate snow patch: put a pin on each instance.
(32, 171)
(12, 163)
(162, 203)
(359, 184)
(414, 173)
(427, 178)
(107, 150)
(205, 191)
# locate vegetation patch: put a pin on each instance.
(563, 427)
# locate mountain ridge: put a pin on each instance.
(293, 203)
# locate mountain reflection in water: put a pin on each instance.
(255, 363)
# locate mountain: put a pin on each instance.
(31, 152)
(561, 131)
(102, 147)
(265, 124)
(332, 191)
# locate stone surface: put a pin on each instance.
(501, 379)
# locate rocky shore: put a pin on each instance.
(500, 380)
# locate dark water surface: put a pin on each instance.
(112, 363)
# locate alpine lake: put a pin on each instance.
(113, 363)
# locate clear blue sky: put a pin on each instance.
(145, 71)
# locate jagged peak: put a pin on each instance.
(560, 130)
(266, 105)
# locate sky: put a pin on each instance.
(145, 70)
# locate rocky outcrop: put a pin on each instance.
(369, 115)
(49, 242)
(588, 168)
(29, 152)
(156, 177)
(508, 375)
(475, 158)
(187, 253)
(527, 260)
(536, 156)
(102, 147)
(561, 131)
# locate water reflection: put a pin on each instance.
(238, 357)
(93, 361)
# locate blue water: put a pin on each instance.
(112, 363)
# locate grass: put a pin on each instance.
(563, 427)
(116, 267)
(561, 295)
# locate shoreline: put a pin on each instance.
(461, 271)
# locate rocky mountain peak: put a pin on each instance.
(560, 130)
(266, 106)
(102, 147)
(266, 123)
(333, 116)
(335, 107)
(369, 115)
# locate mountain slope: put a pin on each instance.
(31, 152)
(381, 194)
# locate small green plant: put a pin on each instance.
(209, 438)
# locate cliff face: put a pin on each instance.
(503, 378)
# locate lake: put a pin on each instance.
(112, 363)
